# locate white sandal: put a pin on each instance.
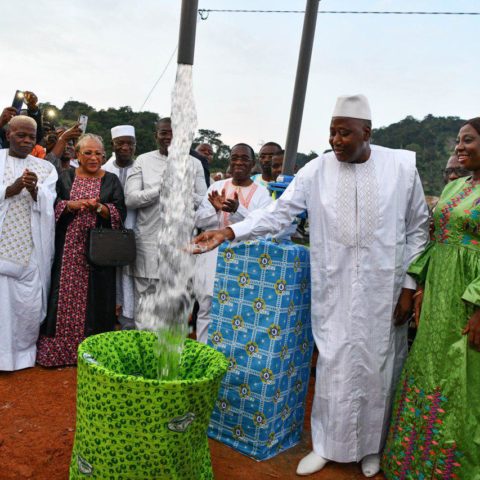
(310, 464)
(371, 465)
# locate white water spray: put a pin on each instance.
(167, 310)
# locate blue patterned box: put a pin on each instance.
(260, 321)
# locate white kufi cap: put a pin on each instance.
(352, 106)
(123, 131)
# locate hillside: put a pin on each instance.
(433, 138)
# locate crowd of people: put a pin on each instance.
(379, 256)
(57, 186)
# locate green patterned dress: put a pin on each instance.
(435, 426)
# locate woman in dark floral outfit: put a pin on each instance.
(82, 296)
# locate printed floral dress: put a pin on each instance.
(82, 297)
(435, 427)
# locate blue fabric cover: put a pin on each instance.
(260, 321)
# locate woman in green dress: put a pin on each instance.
(435, 426)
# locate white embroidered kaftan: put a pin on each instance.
(27, 231)
(367, 223)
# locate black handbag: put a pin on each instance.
(107, 247)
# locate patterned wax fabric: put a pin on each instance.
(260, 321)
(131, 425)
(73, 286)
(435, 427)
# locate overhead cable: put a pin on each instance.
(159, 78)
(204, 12)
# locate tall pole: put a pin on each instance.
(188, 27)
(300, 89)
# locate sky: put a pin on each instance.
(109, 53)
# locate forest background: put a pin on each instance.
(432, 138)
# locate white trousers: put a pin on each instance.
(144, 287)
(203, 316)
(125, 298)
(20, 318)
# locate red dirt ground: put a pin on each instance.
(37, 426)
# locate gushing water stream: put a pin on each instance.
(167, 310)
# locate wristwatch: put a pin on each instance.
(99, 208)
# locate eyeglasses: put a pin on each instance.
(461, 172)
(89, 153)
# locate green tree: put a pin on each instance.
(100, 122)
(72, 109)
(221, 151)
(433, 140)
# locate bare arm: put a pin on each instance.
(71, 134)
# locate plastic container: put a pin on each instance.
(131, 425)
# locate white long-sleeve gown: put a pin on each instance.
(367, 223)
(27, 232)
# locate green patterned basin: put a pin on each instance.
(131, 425)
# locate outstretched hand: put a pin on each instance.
(211, 239)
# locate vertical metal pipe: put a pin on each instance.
(300, 89)
(188, 27)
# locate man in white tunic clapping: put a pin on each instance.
(226, 202)
(27, 228)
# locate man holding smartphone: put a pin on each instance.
(33, 111)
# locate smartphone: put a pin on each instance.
(18, 101)
(82, 120)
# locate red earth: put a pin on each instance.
(37, 426)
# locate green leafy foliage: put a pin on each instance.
(433, 140)
(100, 122)
(221, 151)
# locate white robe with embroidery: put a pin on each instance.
(24, 287)
(206, 217)
(367, 223)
